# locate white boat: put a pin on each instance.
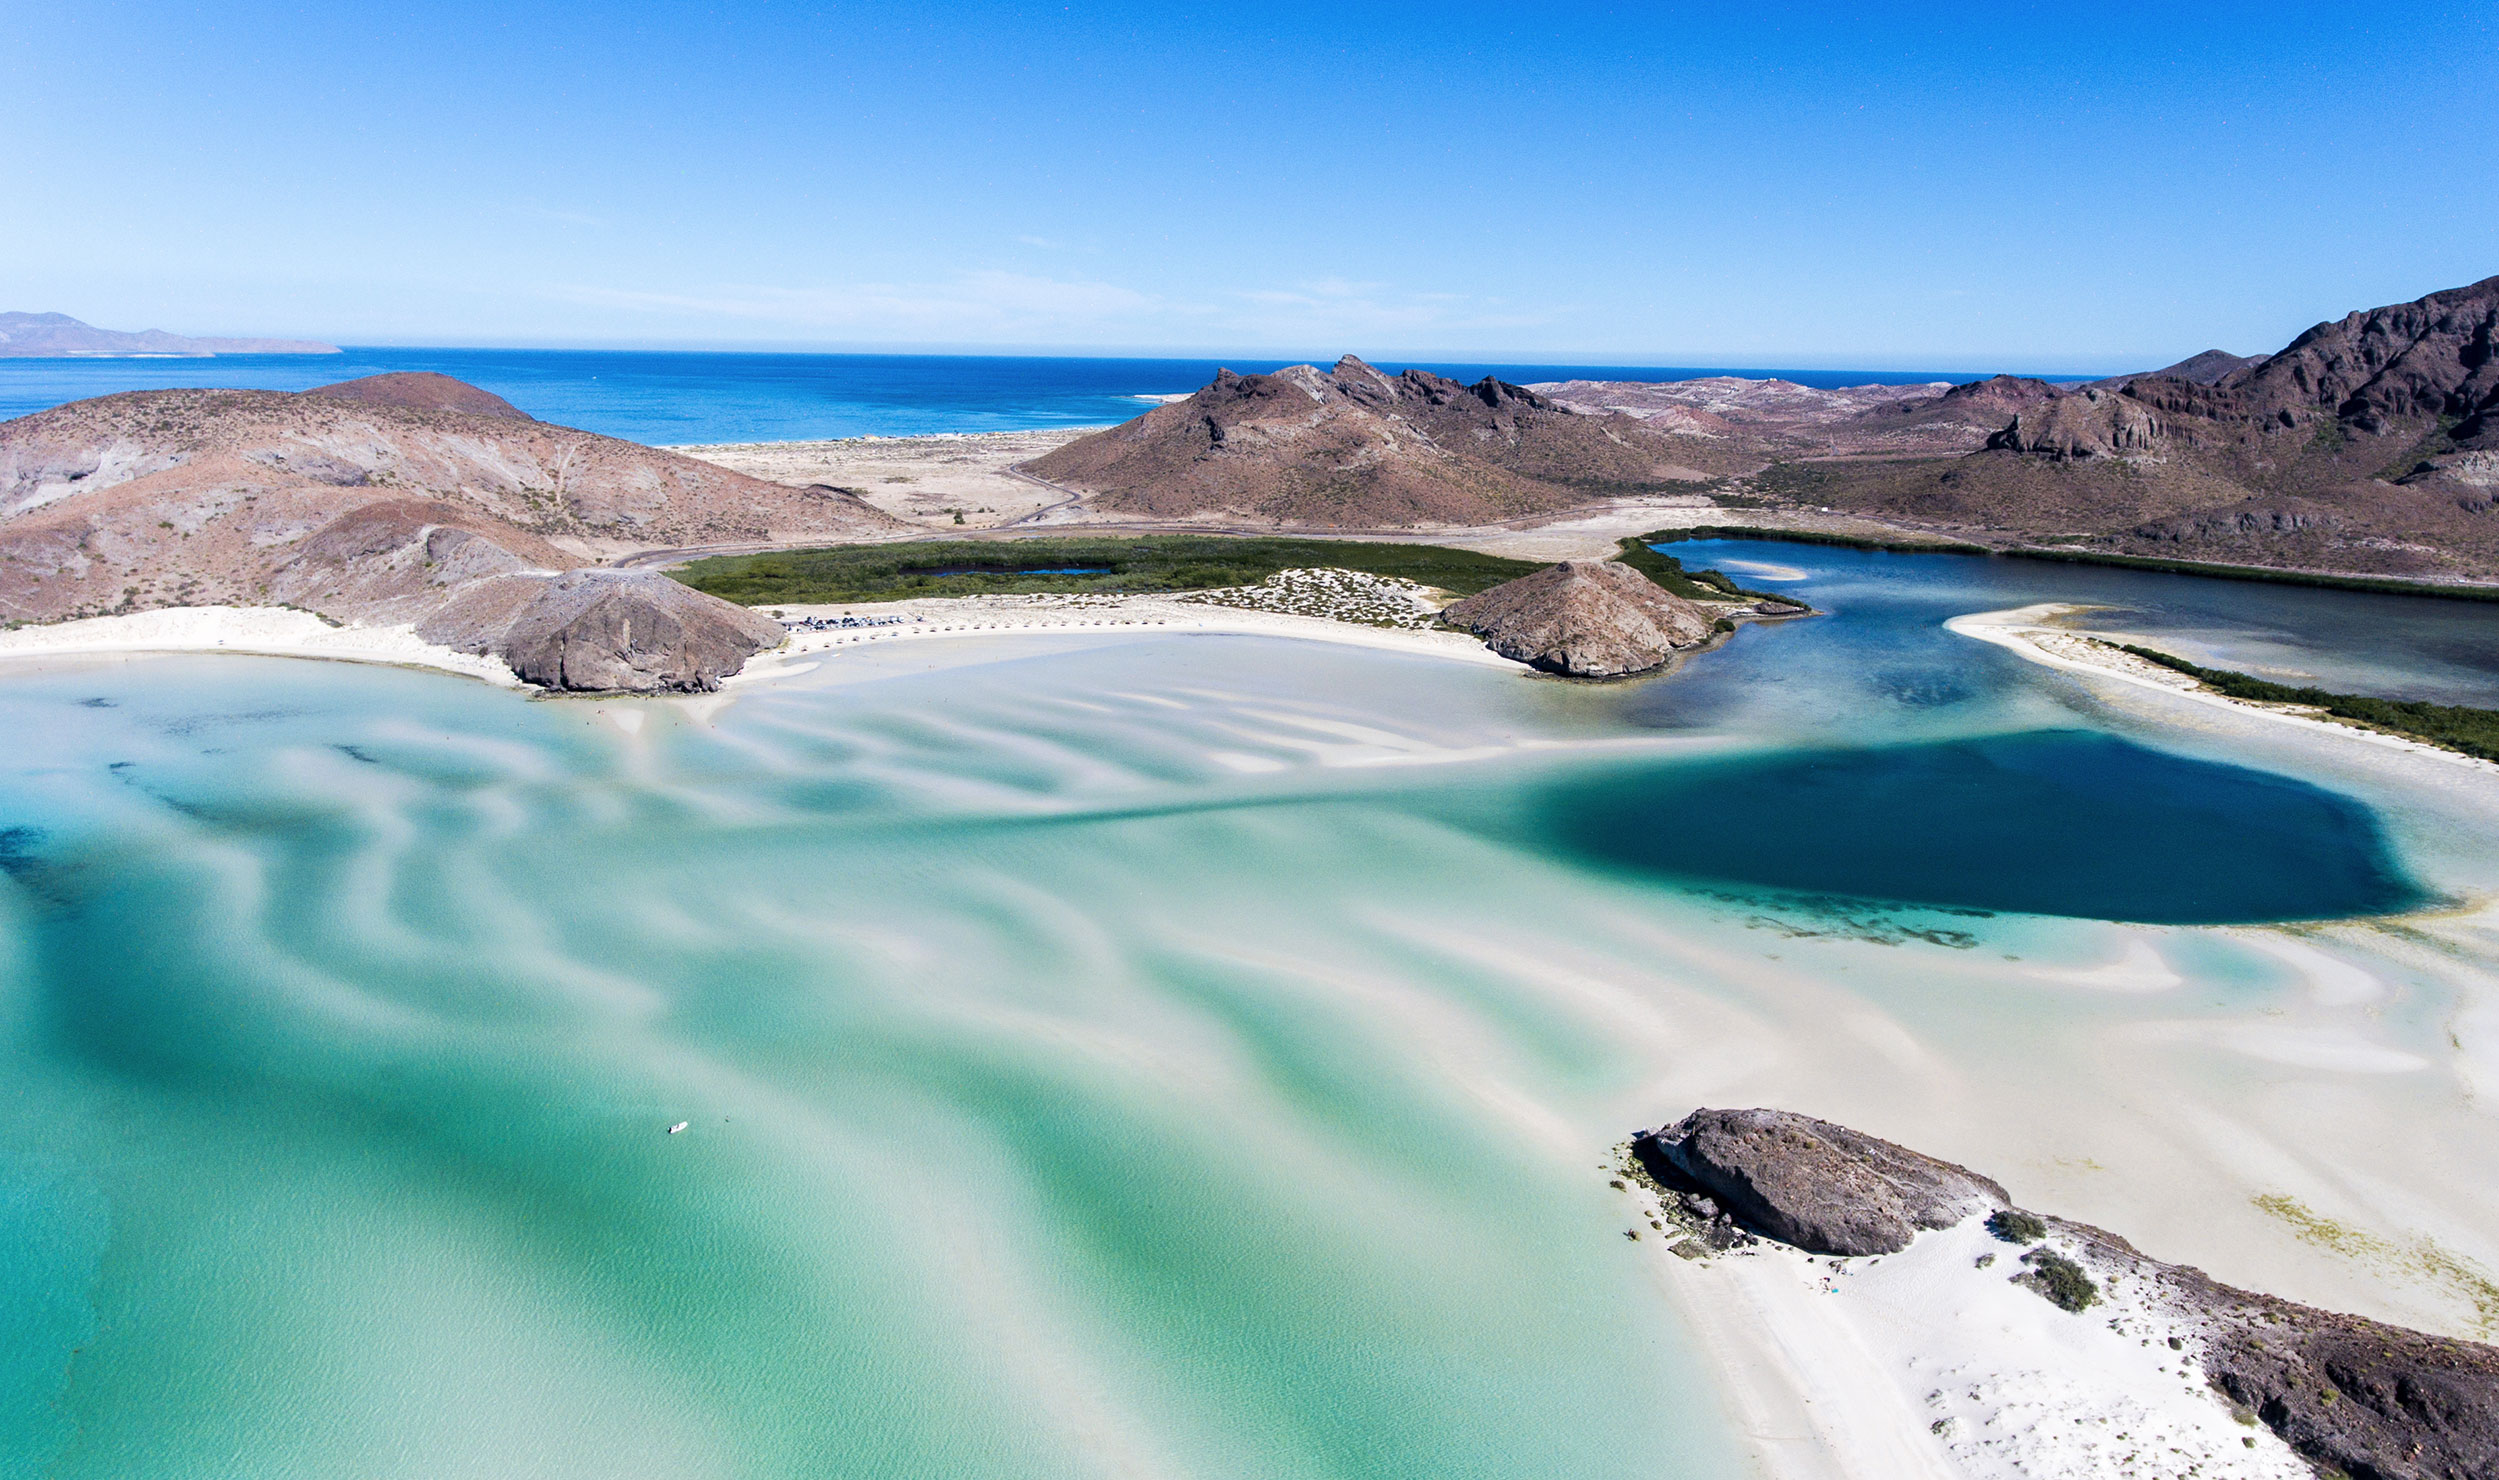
(680, 1125)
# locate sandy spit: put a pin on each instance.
(2024, 631)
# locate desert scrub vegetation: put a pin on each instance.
(2059, 1279)
(2017, 1227)
(1108, 566)
(2455, 727)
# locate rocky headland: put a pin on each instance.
(2351, 1396)
(401, 499)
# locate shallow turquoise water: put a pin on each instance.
(1182, 1056)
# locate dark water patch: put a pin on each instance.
(357, 753)
(17, 850)
(2048, 822)
(1824, 916)
(99, 703)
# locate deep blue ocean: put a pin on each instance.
(670, 397)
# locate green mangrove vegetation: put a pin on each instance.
(2473, 732)
(1111, 566)
(1693, 585)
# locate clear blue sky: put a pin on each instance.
(1920, 186)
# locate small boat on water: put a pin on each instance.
(680, 1125)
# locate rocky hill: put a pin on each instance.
(2369, 443)
(1584, 619)
(354, 503)
(423, 390)
(1352, 447)
(58, 336)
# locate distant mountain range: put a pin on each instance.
(57, 336)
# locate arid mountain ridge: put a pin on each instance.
(1353, 446)
(2368, 444)
(58, 336)
(369, 501)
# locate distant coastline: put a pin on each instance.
(679, 397)
(57, 336)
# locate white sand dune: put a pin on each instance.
(1929, 1365)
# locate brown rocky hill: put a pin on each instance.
(2369, 443)
(358, 508)
(1584, 618)
(423, 390)
(1354, 447)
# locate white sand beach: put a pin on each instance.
(276, 632)
(1932, 1364)
(1370, 612)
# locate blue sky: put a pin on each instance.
(1930, 186)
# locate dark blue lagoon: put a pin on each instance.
(1891, 759)
(2056, 822)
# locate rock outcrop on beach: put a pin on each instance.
(1822, 1187)
(398, 499)
(1584, 619)
(2353, 1396)
(1352, 447)
(58, 336)
(605, 630)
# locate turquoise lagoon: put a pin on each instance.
(1179, 1056)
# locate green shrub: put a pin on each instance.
(2061, 1280)
(2017, 1227)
